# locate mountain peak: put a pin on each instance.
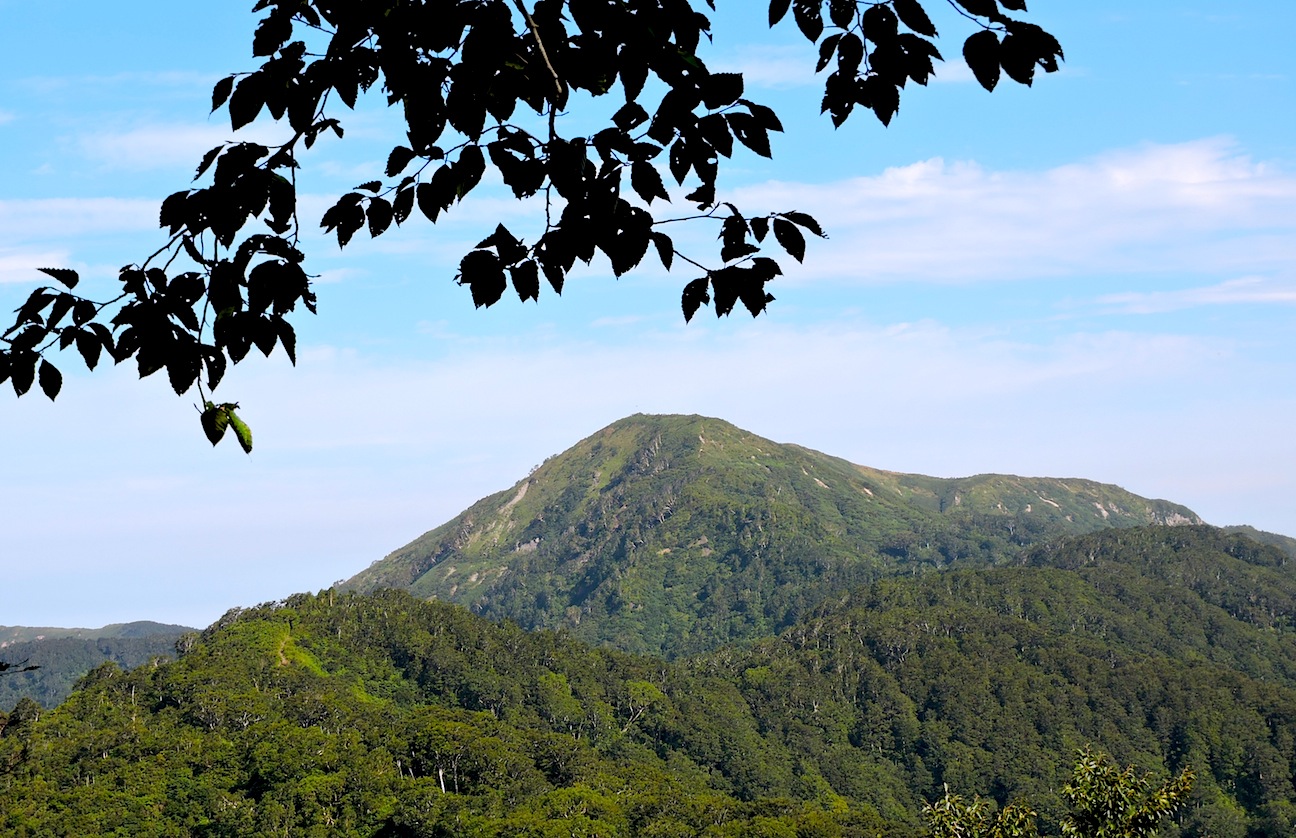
(675, 533)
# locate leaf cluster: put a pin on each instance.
(481, 85)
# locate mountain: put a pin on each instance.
(676, 534)
(138, 628)
(63, 655)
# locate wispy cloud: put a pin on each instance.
(161, 146)
(1248, 290)
(1198, 206)
(20, 265)
(53, 219)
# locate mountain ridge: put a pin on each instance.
(672, 534)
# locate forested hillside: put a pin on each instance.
(63, 655)
(676, 534)
(341, 714)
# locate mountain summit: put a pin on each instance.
(674, 534)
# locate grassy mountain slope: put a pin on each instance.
(674, 534)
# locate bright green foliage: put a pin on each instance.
(1106, 802)
(954, 817)
(383, 715)
(363, 716)
(1109, 802)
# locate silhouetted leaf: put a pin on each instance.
(66, 276)
(665, 249)
(913, 15)
(981, 8)
(480, 270)
(778, 9)
(809, 18)
(22, 370)
(749, 132)
(790, 238)
(51, 380)
(379, 215)
(647, 181)
(221, 92)
(695, 295)
(247, 101)
(842, 12)
(398, 159)
(880, 24)
(802, 219)
(721, 89)
(526, 280)
(183, 368)
(981, 52)
(89, 347)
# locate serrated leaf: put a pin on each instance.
(912, 14)
(64, 275)
(398, 159)
(379, 214)
(22, 371)
(809, 18)
(182, 370)
(51, 380)
(695, 295)
(221, 92)
(89, 346)
(647, 181)
(247, 100)
(802, 219)
(790, 238)
(207, 160)
(526, 280)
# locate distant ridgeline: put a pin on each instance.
(830, 647)
(63, 655)
(676, 534)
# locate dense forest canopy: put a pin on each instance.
(383, 714)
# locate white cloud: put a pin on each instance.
(1198, 206)
(162, 146)
(20, 265)
(54, 219)
(1248, 290)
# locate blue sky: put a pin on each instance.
(1092, 278)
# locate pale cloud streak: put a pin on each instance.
(1247, 290)
(162, 146)
(1197, 206)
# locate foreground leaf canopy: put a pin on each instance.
(482, 85)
